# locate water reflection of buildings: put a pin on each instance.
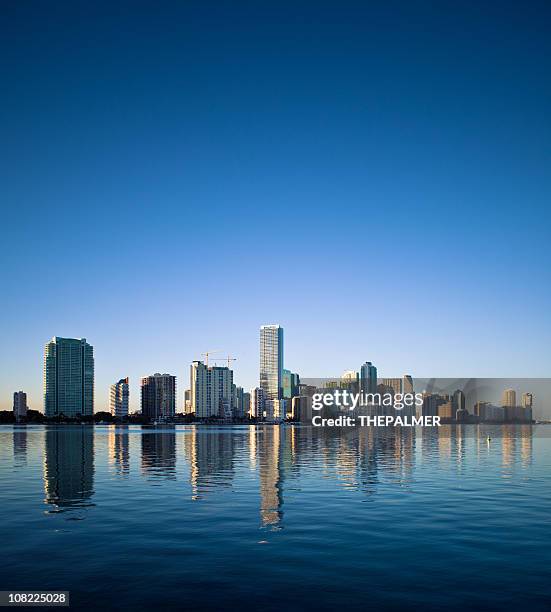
(210, 453)
(20, 445)
(270, 445)
(69, 466)
(119, 453)
(516, 444)
(159, 452)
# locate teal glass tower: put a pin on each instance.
(68, 377)
(271, 361)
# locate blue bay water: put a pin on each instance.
(271, 518)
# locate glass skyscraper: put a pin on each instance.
(68, 377)
(271, 361)
(368, 378)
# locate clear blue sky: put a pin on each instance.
(374, 176)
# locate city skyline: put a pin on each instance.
(213, 391)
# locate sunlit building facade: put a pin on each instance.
(271, 361)
(118, 398)
(213, 393)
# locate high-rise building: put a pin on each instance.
(458, 401)
(158, 396)
(368, 378)
(509, 398)
(213, 393)
(287, 386)
(271, 361)
(257, 403)
(527, 405)
(393, 384)
(527, 400)
(487, 412)
(246, 401)
(68, 377)
(118, 398)
(301, 409)
(19, 405)
(187, 402)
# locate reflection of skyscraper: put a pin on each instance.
(20, 444)
(68, 377)
(69, 466)
(118, 449)
(271, 361)
(210, 454)
(525, 445)
(271, 475)
(158, 396)
(159, 452)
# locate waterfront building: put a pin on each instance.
(19, 405)
(301, 409)
(431, 404)
(287, 385)
(368, 378)
(158, 396)
(407, 384)
(246, 401)
(393, 385)
(458, 401)
(212, 391)
(509, 398)
(446, 411)
(349, 381)
(257, 403)
(68, 377)
(271, 361)
(187, 402)
(528, 406)
(118, 398)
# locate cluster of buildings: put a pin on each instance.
(509, 411)
(451, 407)
(213, 394)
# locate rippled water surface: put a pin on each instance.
(274, 518)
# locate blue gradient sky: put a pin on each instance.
(373, 176)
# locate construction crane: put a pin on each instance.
(206, 355)
(229, 359)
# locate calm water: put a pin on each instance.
(278, 517)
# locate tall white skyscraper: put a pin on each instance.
(118, 398)
(509, 398)
(271, 361)
(212, 391)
